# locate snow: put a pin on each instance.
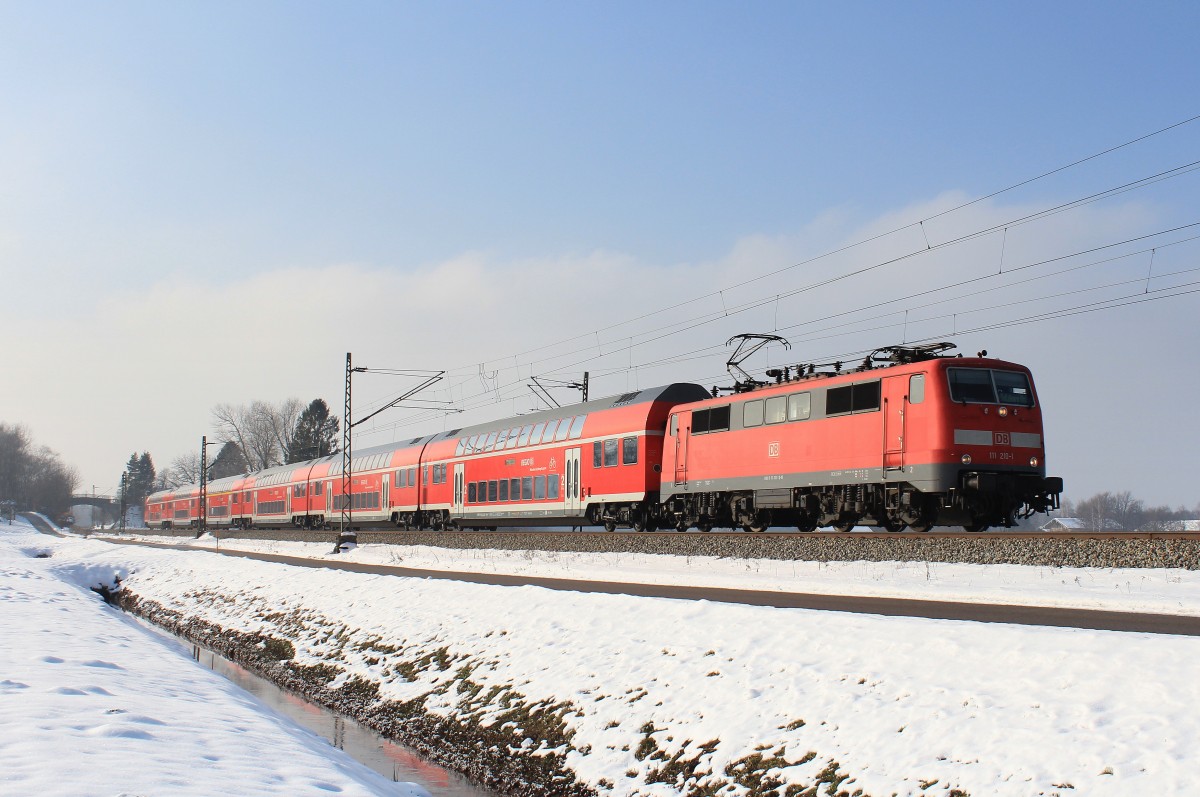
(92, 703)
(900, 706)
(1147, 590)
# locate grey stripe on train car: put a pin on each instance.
(1026, 440)
(972, 437)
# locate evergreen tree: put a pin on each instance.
(315, 434)
(230, 461)
(139, 478)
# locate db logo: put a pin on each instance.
(1002, 438)
(772, 449)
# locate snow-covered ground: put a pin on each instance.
(668, 697)
(91, 703)
(1157, 591)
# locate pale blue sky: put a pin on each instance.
(152, 150)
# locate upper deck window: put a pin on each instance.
(985, 386)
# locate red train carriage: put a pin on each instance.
(927, 440)
(590, 463)
(174, 508)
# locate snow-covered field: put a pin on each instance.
(91, 703)
(662, 697)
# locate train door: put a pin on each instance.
(573, 490)
(895, 411)
(680, 431)
(459, 481)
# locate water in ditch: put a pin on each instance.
(389, 759)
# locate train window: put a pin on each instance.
(492, 492)
(527, 488)
(865, 396)
(971, 385)
(552, 486)
(775, 410)
(916, 388)
(752, 413)
(1012, 387)
(577, 426)
(674, 424)
(503, 490)
(319, 488)
(525, 430)
(564, 427)
(539, 488)
(610, 453)
(470, 447)
(597, 454)
(862, 397)
(718, 419)
(514, 489)
(412, 476)
(548, 432)
(799, 406)
(535, 437)
(700, 421)
(629, 451)
(491, 441)
(472, 492)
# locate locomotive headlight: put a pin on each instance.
(1033, 462)
(1003, 412)
(966, 459)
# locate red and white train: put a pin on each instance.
(911, 439)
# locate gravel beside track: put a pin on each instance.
(1036, 549)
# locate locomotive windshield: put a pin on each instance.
(985, 386)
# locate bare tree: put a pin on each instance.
(183, 470)
(260, 429)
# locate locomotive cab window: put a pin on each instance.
(971, 385)
(985, 386)
(1012, 387)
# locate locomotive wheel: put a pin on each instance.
(761, 522)
(845, 523)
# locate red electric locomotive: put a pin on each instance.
(912, 439)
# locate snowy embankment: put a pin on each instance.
(641, 696)
(92, 703)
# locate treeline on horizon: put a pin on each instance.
(252, 437)
(33, 477)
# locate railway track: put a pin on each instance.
(1049, 549)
